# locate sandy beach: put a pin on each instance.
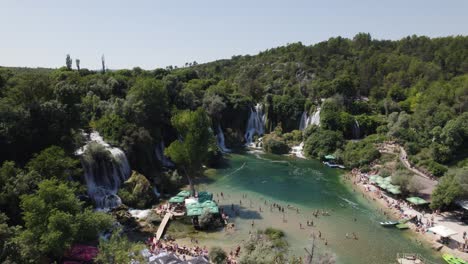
(386, 204)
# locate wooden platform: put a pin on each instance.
(162, 226)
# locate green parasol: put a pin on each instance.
(177, 199)
(416, 200)
(184, 193)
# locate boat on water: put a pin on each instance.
(389, 223)
(402, 226)
(333, 165)
(453, 260)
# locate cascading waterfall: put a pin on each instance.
(306, 120)
(104, 173)
(356, 130)
(159, 151)
(220, 139)
(298, 150)
(303, 123)
(256, 124)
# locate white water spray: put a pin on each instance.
(255, 124)
(306, 120)
(103, 177)
(356, 130)
(220, 140)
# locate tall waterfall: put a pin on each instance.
(356, 130)
(256, 124)
(159, 151)
(220, 139)
(104, 173)
(306, 120)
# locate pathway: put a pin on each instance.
(427, 183)
(162, 226)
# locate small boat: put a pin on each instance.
(333, 165)
(453, 260)
(389, 223)
(402, 226)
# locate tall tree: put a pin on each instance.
(68, 62)
(103, 62)
(77, 62)
(192, 149)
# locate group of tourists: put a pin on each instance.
(169, 246)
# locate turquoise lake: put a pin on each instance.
(307, 185)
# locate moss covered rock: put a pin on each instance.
(137, 192)
(275, 144)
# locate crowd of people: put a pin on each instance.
(420, 222)
(169, 246)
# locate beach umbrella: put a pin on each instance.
(372, 178)
(205, 196)
(379, 179)
(184, 193)
(195, 211)
(394, 189)
(193, 205)
(177, 199)
(416, 200)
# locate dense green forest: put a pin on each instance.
(413, 91)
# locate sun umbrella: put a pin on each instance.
(416, 200)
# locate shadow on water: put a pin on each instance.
(241, 212)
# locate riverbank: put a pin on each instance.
(392, 208)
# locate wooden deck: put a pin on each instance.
(162, 226)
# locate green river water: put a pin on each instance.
(307, 185)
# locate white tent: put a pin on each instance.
(191, 200)
(442, 231)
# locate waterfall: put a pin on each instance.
(220, 140)
(159, 151)
(303, 123)
(356, 130)
(298, 151)
(256, 123)
(306, 120)
(103, 176)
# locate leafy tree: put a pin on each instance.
(77, 63)
(53, 162)
(68, 62)
(137, 191)
(53, 220)
(147, 103)
(322, 142)
(118, 249)
(450, 187)
(191, 151)
(217, 255)
(360, 153)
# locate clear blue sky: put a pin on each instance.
(156, 33)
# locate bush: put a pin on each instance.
(217, 255)
(275, 144)
(137, 192)
(437, 169)
(360, 153)
(323, 142)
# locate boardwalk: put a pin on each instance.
(162, 226)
